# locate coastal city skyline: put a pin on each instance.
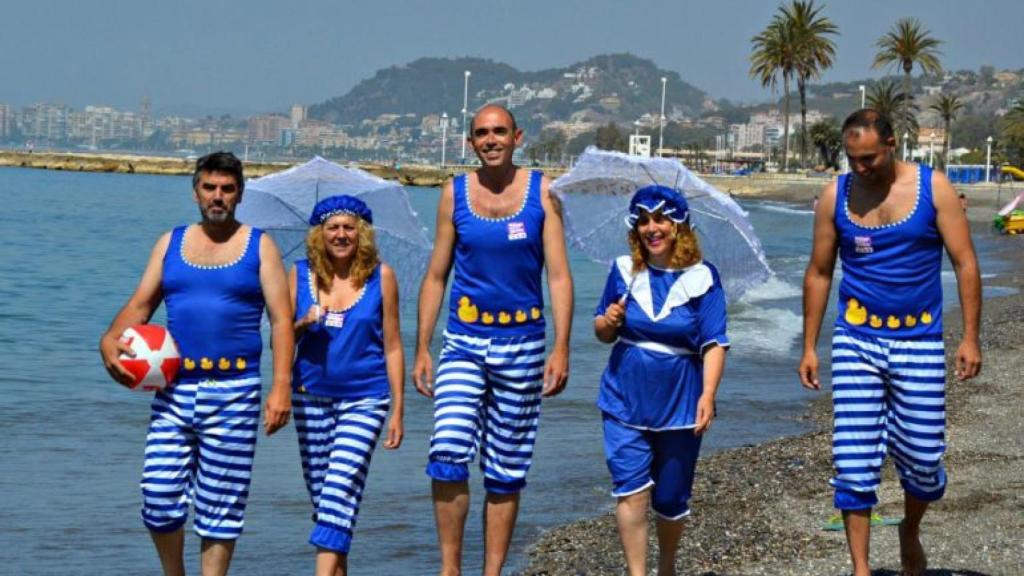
(189, 61)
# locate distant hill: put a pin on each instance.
(611, 87)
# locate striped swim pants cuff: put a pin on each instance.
(331, 538)
(926, 495)
(494, 486)
(165, 526)
(848, 500)
(447, 471)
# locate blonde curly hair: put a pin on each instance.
(366, 257)
(686, 251)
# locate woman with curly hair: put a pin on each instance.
(664, 308)
(349, 368)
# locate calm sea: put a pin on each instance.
(72, 247)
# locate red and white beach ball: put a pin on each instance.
(156, 360)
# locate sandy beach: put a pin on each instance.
(758, 510)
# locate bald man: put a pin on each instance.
(500, 227)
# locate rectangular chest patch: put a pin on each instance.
(516, 230)
(335, 319)
(862, 244)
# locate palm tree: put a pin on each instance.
(886, 98)
(813, 51)
(1011, 134)
(906, 44)
(772, 57)
(948, 106)
(826, 136)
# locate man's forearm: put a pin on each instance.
(282, 339)
(562, 307)
(968, 280)
(816, 289)
(431, 296)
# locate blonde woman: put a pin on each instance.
(664, 308)
(349, 368)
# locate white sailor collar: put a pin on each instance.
(695, 281)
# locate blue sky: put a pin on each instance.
(259, 55)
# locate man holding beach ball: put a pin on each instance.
(215, 278)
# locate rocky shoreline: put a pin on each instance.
(759, 509)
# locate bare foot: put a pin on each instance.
(912, 557)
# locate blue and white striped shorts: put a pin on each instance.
(336, 441)
(889, 398)
(200, 447)
(487, 395)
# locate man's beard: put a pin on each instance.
(216, 218)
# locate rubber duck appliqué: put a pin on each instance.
(855, 313)
(467, 311)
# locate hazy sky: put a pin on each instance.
(261, 55)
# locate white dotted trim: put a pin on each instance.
(315, 293)
(181, 251)
(522, 206)
(846, 206)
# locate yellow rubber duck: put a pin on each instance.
(190, 364)
(892, 323)
(520, 316)
(206, 364)
(240, 363)
(855, 313)
(487, 318)
(504, 317)
(910, 321)
(224, 364)
(467, 312)
(875, 321)
(926, 318)
(534, 313)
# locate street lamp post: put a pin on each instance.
(465, 107)
(444, 136)
(861, 95)
(988, 157)
(931, 149)
(661, 119)
(906, 136)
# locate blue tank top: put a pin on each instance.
(498, 262)
(892, 284)
(214, 312)
(343, 355)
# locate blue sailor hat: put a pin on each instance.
(654, 198)
(343, 204)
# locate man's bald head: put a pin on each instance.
(868, 119)
(490, 108)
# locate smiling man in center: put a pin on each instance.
(500, 227)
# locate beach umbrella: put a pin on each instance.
(595, 196)
(281, 203)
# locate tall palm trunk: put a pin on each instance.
(945, 143)
(785, 129)
(801, 85)
(908, 68)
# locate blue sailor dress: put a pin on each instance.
(654, 376)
